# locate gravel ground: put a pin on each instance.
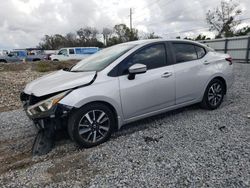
(12, 83)
(189, 147)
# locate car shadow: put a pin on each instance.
(146, 123)
(133, 127)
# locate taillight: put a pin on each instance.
(230, 60)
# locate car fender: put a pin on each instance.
(109, 94)
(209, 80)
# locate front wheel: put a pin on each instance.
(214, 95)
(91, 125)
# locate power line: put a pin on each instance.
(170, 13)
(185, 31)
(197, 29)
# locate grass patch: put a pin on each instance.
(46, 66)
(40, 66)
(13, 66)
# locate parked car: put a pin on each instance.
(3, 52)
(74, 53)
(125, 83)
(21, 55)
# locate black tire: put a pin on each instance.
(80, 116)
(207, 102)
(3, 61)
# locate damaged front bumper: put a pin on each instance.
(55, 116)
(47, 122)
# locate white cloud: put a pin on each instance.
(24, 22)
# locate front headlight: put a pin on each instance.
(45, 105)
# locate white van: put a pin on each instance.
(74, 53)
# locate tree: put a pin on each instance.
(244, 31)
(124, 33)
(70, 40)
(52, 42)
(223, 18)
(87, 36)
(107, 33)
(201, 37)
(121, 33)
(188, 38)
(149, 36)
(153, 36)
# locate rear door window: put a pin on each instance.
(184, 52)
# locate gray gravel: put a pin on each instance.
(189, 147)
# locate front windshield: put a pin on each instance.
(13, 54)
(102, 59)
(62, 52)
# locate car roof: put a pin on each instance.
(148, 41)
(80, 47)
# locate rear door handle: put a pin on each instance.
(166, 74)
(206, 62)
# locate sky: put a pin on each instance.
(23, 23)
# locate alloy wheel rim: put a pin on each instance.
(215, 94)
(94, 126)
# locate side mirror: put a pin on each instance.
(136, 69)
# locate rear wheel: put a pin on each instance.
(91, 125)
(36, 59)
(214, 95)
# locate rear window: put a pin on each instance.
(184, 52)
(86, 50)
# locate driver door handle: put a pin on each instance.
(166, 74)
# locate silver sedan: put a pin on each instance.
(125, 83)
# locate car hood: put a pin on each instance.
(58, 81)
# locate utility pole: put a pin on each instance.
(130, 19)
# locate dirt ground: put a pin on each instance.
(14, 77)
(12, 83)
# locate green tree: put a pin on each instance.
(124, 33)
(88, 37)
(52, 42)
(149, 36)
(223, 18)
(244, 31)
(202, 37)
